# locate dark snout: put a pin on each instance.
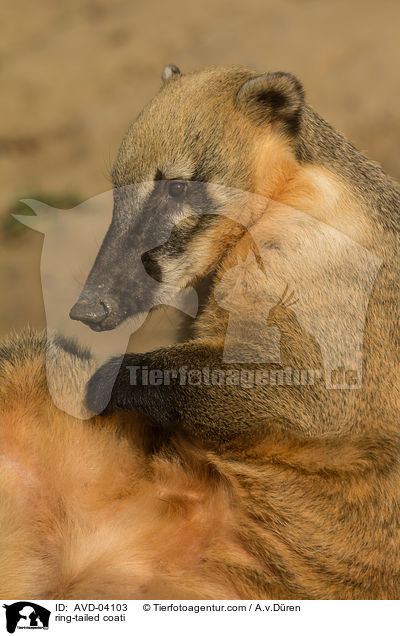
(99, 313)
(118, 285)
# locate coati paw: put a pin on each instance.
(118, 385)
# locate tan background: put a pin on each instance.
(75, 73)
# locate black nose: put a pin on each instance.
(91, 313)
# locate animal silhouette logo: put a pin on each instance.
(26, 615)
(311, 325)
(310, 257)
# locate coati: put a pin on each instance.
(282, 182)
(234, 491)
(100, 509)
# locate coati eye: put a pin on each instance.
(177, 189)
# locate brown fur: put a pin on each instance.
(85, 514)
(267, 492)
(86, 511)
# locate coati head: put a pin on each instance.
(181, 182)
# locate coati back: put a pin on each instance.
(94, 510)
(86, 510)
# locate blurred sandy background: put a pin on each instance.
(75, 73)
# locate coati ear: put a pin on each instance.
(170, 70)
(273, 98)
